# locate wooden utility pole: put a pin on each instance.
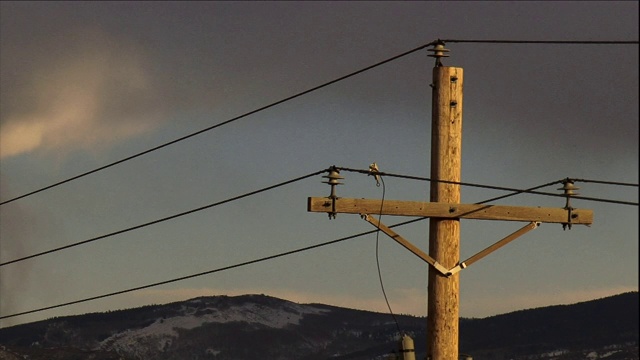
(444, 234)
(445, 212)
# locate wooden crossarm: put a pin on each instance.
(451, 211)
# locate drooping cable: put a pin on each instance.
(204, 272)
(384, 293)
(163, 219)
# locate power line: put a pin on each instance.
(226, 267)
(203, 273)
(557, 42)
(220, 124)
(309, 91)
(529, 190)
(515, 192)
(420, 178)
(605, 182)
(163, 219)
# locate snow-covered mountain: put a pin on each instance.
(157, 338)
(220, 327)
(263, 327)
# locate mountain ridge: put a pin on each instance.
(264, 327)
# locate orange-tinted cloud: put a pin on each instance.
(89, 96)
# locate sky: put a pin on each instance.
(86, 84)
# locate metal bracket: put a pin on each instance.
(494, 247)
(406, 244)
(373, 170)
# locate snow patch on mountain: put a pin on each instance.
(162, 330)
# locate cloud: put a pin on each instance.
(94, 93)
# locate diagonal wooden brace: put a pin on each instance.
(509, 238)
(406, 244)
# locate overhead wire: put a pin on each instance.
(529, 190)
(606, 182)
(163, 219)
(513, 190)
(420, 178)
(163, 145)
(203, 273)
(516, 191)
(231, 266)
(220, 124)
(558, 42)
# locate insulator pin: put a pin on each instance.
(333, 180)
(569, 190)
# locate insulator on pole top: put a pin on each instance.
(438, 52)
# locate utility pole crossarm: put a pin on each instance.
(450, 211)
